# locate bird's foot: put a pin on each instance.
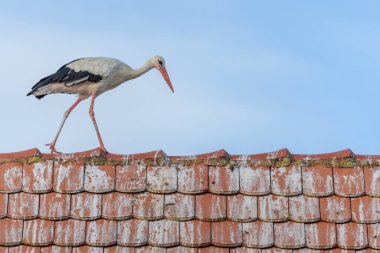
(102, 148)
(52, 149)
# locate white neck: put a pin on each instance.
(140, 71)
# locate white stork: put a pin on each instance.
(90, 77)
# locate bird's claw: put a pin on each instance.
(52, 149)
(104, 149)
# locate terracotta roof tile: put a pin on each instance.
(258, 234)
(132, 232)
(117, 206)
(99, 179)
(11, 232)
(37, 177)
(193, 179)
(149, 206)
(335, 209)
(352, 235)
(70, 232)
(131, 178)
(86, 206)
(54, 206)
(349, 182)
(164, 233)
(293, 239)
(223, 180)
(317, 181)
(286, 181)
(273, 208)
(254, 180)
(38, 232)
(214, 202)
(304, 208)
(195, 233)
(320, 235)
(101, 232)
(210, 207)
(10, 177)
(68, 177)
(179, 206)
(162, 179)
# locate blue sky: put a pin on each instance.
(250, 76)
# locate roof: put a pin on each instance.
(215, 202)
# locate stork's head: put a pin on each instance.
(159, 63)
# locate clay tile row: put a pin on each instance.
(181, 207)
(165, 233)
(42, 177)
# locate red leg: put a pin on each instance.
(92, 115)
(65, 115)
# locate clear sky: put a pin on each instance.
(250, 76)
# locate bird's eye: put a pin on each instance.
(160, 62)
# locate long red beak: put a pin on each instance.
(167, 79)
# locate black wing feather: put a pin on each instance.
(65, 75)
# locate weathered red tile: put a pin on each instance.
(117, 206)
(349, 182)
(307, 250)
(3, 204)
(224, 180)
(86, 206)
(10, 177)
(54, 206)
(38, 232)
(276, 250)
(241, 208)
(99, 179)
(244, 250)
(132, 232)
(293, 238)
(210, 207)
(365, 209)
(180, 249)
(195, 233)
(179, 206)
(163, 233)
(286, 181)
(254, 180)
(56, 249)
(162, 179)
(258, 234)
(150, 249)
(119, 249)
(148, 206)
(10, 232)
(372, 181)
(24, 249)
(213, 249)
(101, 232)
(68, 177)
(304, 209)
(374, 235)
(367, 250)
(320, 235)
(193, 179)
(87, 249)
(70, 232)
(352, 235)
(317, 181)
(23, 205)
(273, 208)
(335, 209)
(131, 178)
(37, 177)
(226, 234)
(4, 249)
